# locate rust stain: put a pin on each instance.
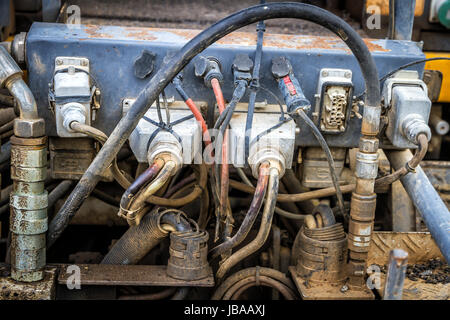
(94, 31)
(283, 41)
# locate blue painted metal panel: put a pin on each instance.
(113, 50)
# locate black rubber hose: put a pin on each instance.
(170, 69)
(138, 240)
(326, 213)
(60, 191)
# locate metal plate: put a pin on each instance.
(327, 291)
(129, 275)
(40, 290)
(419, 245)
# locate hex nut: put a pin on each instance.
(368, 145)
(29, 128)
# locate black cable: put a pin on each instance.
(280, 103)
(181, 58)
(254, 86)
(279, 124)
(158, 111)
(327, 152)
(238, 93)
(390, 73)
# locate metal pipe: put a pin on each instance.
(401, 19)
(29, 199)
(439, 125)
(426, 200)
(393, 287)
(24, 97)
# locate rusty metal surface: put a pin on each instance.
(130, 275)
(298, 42)
(419, 245)
(419, 290)
(328, 291)
(39, 290)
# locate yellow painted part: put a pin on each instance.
(444, 67)
(383, 7)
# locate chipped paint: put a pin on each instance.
(282, 41)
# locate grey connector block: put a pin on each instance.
(189, 131)
(409, 107)
(72, 92)
(279, 141)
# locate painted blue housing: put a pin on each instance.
(113, 50)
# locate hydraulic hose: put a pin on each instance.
(143, 179)
(264, 229)
(250, 217)
(179, 202)
(138, 240)
(134, 212)
(169, 70)
(225, 174)
(236, 290)
(60, 191)
(254, 273)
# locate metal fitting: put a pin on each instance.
(368, 145)
(371, 120)
(242, 68)
(18, 47)
(413, 125)
(208, 69)
(29, 128)
(366, 165)
(73, 111)
(8, 67)
(28, 201)
(166, 150)
(270, 155)
(28, 125)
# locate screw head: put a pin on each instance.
(58, 62)
(325, 73)
(347, 74)
(344, 288)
